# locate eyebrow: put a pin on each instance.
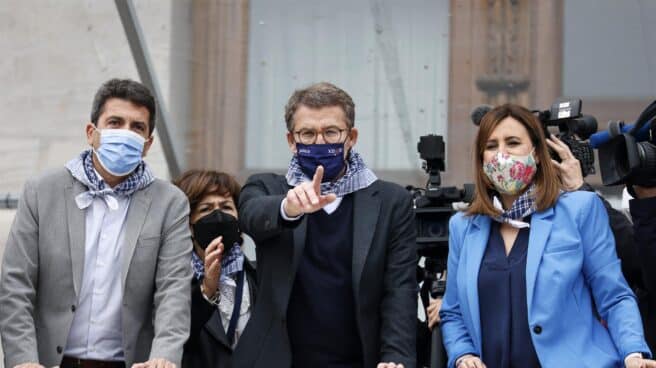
(131, 123)
(227, 201)
(322, 128)
(505, 138)
(139, 123)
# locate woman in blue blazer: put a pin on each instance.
(533, 278)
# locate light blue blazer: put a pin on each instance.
(571, 267)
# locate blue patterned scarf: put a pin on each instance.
(522, 207)
(81, 168)
(231, 264)
(357, 176)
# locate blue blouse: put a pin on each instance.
(505, 333)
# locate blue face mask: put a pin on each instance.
(120, 151)
(330, 156)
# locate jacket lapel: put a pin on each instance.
(473, 249)
(215, 328)
(299, 245)
(540, 229)
(137, 213)
(76, 219)
(366, 206)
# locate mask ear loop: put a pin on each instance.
(93, 149)
(532, 154)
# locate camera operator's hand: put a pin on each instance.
(644, 192)
(389, 365)
(306, 197)
(433, 312)
(569, 167)
(469, 361)
(638, 362)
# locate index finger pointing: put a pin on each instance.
(316, 180)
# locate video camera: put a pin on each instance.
(573, 129)
(434, 204)
(627, 152)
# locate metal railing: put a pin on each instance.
(8, 201)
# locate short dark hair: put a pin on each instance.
(197, 184)
(320, 95)
(125, 89)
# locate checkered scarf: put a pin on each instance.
(357, 176)
(81, 168)
(231, 263)
(522, 207)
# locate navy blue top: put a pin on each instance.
(505, 332)
(321, 314)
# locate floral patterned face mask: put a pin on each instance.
(510, 174)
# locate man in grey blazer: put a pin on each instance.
(96, 271)
(336, 253)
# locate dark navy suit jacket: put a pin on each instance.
(384, 270)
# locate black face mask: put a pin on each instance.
(217, 223)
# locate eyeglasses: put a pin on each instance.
(330, 135)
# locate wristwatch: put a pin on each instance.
(213, 300)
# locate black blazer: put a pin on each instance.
(643, 212)
(384, 276)
(208, 344)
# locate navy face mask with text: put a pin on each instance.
(330, 156)
(217, 223)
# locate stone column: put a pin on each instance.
(501, 51)
(218, 85)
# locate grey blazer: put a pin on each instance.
(43, 266)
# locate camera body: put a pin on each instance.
(573, 129)
(627, 154)
(433, 205)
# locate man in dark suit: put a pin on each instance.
(335, 248)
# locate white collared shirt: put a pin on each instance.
(96, 331)
(329, 209)
(228, 289)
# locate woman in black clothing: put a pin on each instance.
(223, 286)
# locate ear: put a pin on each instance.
(291, 142)
(536, 157)
(352, 139)
(147, 144)
(89, 130)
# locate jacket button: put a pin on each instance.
(537, 329)
(59, 349)
(73, 308)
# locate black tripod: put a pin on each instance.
(434, 285)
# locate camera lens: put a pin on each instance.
(647, 153)
(585, 126)
(436, 229)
